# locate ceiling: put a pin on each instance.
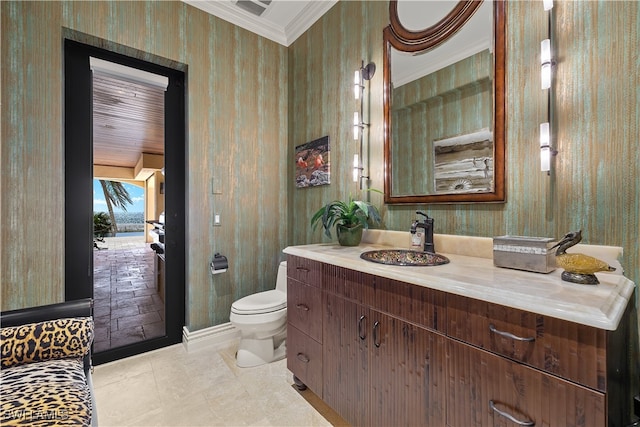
(128, 119)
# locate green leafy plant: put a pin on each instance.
(349, 214)
(101, 224)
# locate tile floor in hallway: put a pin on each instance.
(203, 387)
(127, 307)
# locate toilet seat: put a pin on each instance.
(262, 302)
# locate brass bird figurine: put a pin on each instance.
(578, 268)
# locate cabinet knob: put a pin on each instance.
(509, 416)
(510, 335)
(303, 357)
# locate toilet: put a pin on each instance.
(261, 319)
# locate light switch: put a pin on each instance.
(215, 187)
(216, 219)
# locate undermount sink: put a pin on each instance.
(404, 257)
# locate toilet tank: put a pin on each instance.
(281, 280)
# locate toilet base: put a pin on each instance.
(256, 352)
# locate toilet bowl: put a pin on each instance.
(261, 319)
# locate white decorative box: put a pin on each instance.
(524, 253)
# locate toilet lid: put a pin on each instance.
(262, 302)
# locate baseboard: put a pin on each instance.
(212, 337)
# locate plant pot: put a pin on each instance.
(349, 236)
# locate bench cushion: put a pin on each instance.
(52, 392)
(52, 339)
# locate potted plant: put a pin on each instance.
(349, 218)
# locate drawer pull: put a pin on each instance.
(302, 357)
(376, 339)
(361, 331)
(305, 269)
(509, 335)
(509, 416)
(303, 307)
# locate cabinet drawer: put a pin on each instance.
(486, 389)
(304, 308)
(304, 359)
(305, 270)
(349, 284)
(422, 306)
(569, 350)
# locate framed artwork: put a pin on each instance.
(464, 163)
(312, 163)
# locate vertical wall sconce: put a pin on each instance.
(364, 73)
(546, 68)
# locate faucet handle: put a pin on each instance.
(423, 214)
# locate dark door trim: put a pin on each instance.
(79, 188)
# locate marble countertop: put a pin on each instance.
(600, 306)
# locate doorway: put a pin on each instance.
(79, 173)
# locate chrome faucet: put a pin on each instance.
(427, 225)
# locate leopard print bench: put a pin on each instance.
(42, 376)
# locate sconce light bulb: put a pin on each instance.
(544, 135)
(545, 76)
(545, 60)
(356, 84)
(545, 51)
(356, 164)
(545, 147)
(356, 125)
(547, 5)
(545, 159)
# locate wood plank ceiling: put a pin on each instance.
(128, 120)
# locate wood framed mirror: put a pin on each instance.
(444, 102)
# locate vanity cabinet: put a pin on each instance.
(382, 351)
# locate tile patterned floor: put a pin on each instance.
(204, 387)
(127, 307)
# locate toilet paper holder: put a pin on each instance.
(219, 264)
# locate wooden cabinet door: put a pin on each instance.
(408, 374)
(345, 360)
(487, 390)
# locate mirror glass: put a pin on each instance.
(444, 133)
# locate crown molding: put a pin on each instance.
(313, 11)
(227, 11)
